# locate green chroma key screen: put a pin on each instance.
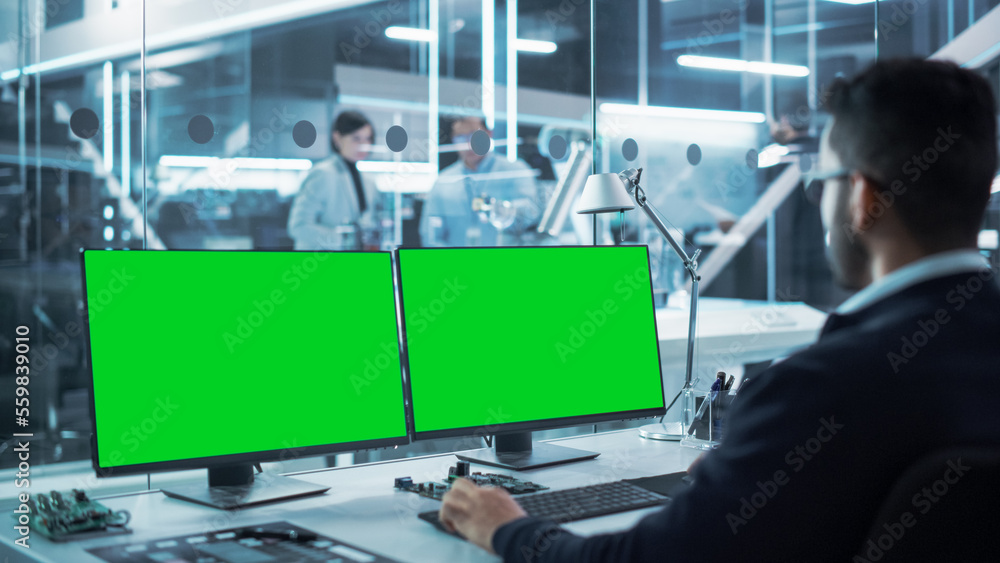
(198, 354)
(505, 335)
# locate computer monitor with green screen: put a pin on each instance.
(502, 341)
(223, 359)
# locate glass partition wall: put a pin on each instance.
(213, 125)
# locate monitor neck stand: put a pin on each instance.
(235, 486)
(517, 452)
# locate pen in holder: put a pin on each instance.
(703, 414)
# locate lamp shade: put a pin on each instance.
(604, 193)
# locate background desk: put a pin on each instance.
(363, 509)
(731, 333)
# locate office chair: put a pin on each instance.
(945, 507)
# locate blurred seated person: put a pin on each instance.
(336, 209)
(481, 192)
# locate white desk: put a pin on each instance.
(363, 509)
(734, 332)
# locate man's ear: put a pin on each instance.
(864, 206)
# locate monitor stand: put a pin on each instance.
(234, 486)
(517, 452)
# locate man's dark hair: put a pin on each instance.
(926, 131)
(346, 123)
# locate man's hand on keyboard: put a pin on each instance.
(477, 512)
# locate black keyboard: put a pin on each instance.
(567, 505)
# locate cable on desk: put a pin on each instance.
(677, 396)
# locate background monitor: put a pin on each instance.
(503, 341)
(222, 359)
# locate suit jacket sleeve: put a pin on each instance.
(767, 472)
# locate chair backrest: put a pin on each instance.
(945, 507)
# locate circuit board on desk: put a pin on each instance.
(437, 489)
(73, 516)
(274, 541)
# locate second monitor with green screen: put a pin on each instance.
(503, 341)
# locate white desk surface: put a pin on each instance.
(363, 509)
(733, 331)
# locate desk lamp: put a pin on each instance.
(604, 193)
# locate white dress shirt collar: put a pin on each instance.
(934, 266)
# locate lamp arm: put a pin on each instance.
(690, 262)
(631, 180)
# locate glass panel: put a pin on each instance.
(511, 72)
(921, 28)
(693, 125)
(66, 108)
(830, 39)
(200, 194)
(208, 139)
(961, 14)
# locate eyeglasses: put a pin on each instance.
(813, 183)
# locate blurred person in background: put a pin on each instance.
(479, 197)
(335, 208)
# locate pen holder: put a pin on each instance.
(703, 418)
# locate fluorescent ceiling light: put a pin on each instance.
(417, 34)
(452, 147)
(398, 167)
(487, 176)
(178, 161)
(535, 46)
(489, 64)
(10, 74)
(126, 133)
(187, 161)
(512, 88)
(109, 121)
(684, 113)
(738, 65)
(410, 33)
(274, 163)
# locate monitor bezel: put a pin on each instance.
(262, 456)
(522, 426)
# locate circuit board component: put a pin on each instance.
(437, 489)
(61, 519)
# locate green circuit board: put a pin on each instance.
(437, 489)
(74, 516)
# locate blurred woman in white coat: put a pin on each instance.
(335, 208)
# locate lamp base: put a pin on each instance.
(666, 431)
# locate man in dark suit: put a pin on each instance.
(905, 367)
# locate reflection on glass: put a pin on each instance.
(482, 193)
(502, 214)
